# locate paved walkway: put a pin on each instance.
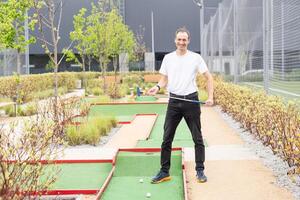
(2, 104)
(233, 171)
(40, 103)
(129, 134)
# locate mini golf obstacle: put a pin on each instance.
(132, 175)
(125, 113)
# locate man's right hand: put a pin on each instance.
(153, 91)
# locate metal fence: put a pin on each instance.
(8, 63)
(257, 43)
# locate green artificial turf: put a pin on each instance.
(146, 98)
(79, 176)
(131, 167)
(126, 112)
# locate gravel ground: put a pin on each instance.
(105, 139)
(273, 162)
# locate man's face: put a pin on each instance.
(182, 41)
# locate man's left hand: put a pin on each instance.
(209, 102)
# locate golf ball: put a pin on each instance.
(141, 180)
(148, 194)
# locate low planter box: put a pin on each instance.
(111, 79)
(152, 78)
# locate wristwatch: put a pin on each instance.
(158, 87)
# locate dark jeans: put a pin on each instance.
(191, 113)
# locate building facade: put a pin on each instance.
(158, 18)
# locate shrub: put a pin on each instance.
(22, 153)
(26, 86)
(269, 118)
(9, 110)
(97, 91)
(95, 82)
(116, 91)
(132, 80)
(88, 75)
(90, 134)
(90, 131)
(73, 135)
(30, 109)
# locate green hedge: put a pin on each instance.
(27, 85)
(275, 122)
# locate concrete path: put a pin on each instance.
(130, 134)
(40, 103)
(2, 104)
(233, 171)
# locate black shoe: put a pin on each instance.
(161, 177)
(201, 176)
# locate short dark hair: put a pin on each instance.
(183, 30)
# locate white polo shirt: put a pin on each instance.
(182, 71)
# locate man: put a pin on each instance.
(178, 73)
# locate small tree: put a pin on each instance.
(12, 21)
(82, 40)
(97, 33)
(22, 174)
(48, 14)
(119, 39)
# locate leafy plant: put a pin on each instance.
(97, 91)
(90, 131)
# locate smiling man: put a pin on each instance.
(178, 73)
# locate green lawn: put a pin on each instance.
(287, 89)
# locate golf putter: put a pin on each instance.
(189, 100)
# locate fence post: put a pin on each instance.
(266, 39)
(220, 38)
(282, 40)
(211, 44)
(27, 46)
(235, 41)
(271, 39)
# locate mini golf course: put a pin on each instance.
(128, 175)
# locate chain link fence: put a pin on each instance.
(256, 43)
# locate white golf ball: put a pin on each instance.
(141, 180)
(148, 194)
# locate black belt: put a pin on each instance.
(188, 96)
